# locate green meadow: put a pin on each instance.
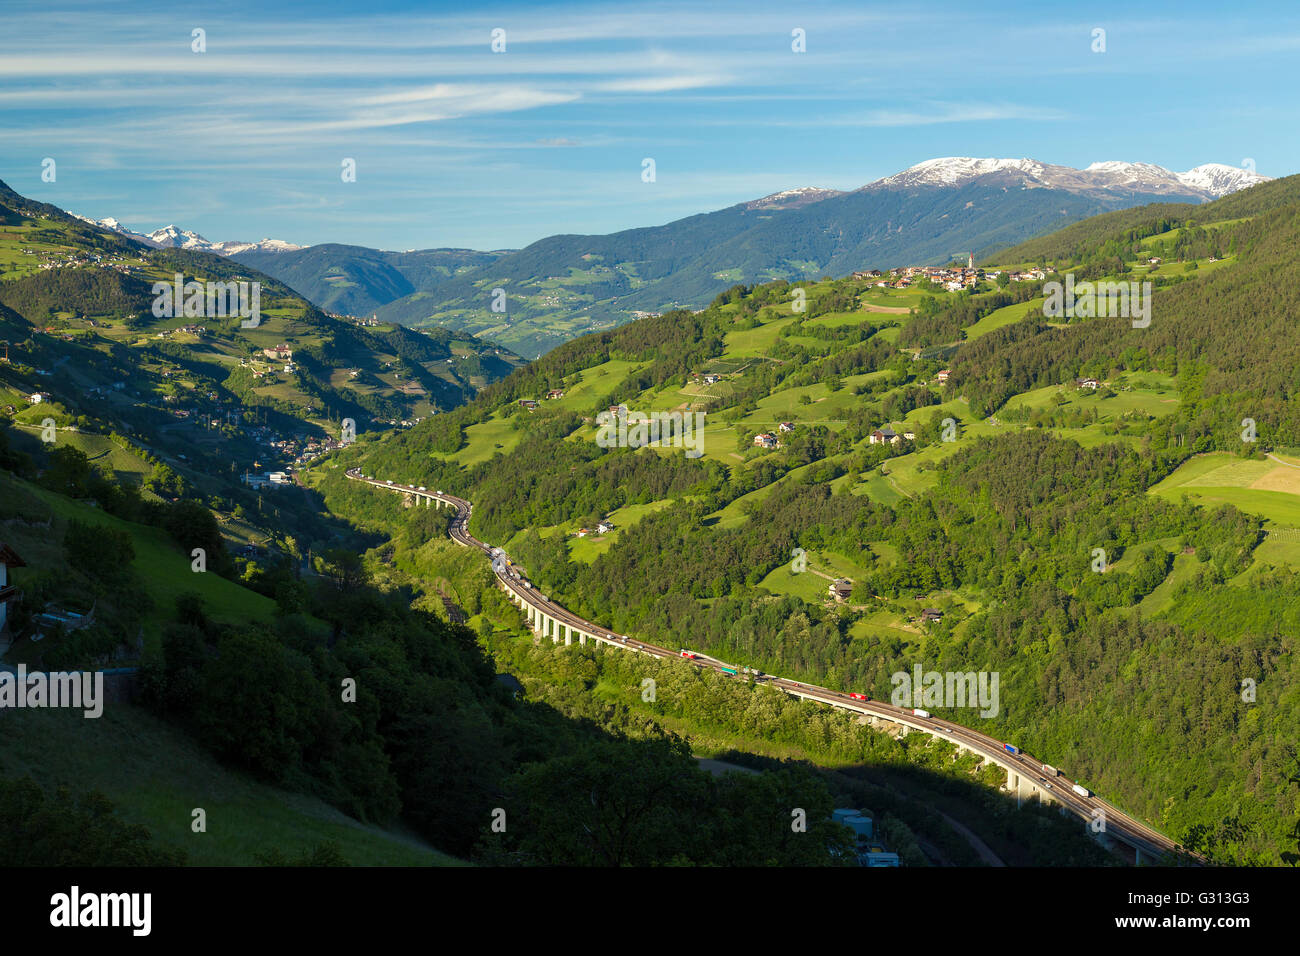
(158, 776)
(1260, 487)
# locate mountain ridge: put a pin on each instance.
(174, 237)
(562, 286)
(1207, 181)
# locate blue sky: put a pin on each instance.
(456, 145)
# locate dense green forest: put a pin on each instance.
(603, 688)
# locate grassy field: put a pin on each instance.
(1154, 402)
(157, 776)
(164, 570)
(1173, 234)
(1266, 488)
(589, 548)
(103, 452)
(885, 625)
(592, 384)
(485, 439)
(806, 585)
(733, 514)
(1279, 549)
(756, 341)
(810, 583)
(835, 320)
(1162, 598)
(1007, 315)
(894, 298)
(821, 406)
(879, 488)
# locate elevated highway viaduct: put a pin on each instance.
(1027, 776)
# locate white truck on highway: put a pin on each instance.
(1081, 791)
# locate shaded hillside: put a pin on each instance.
(354, 280)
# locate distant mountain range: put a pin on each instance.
(566, 285)
(60, 269)
(1202, 183)
(174, 237)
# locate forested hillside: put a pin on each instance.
(290, 689)
(1091, 507)
(357, 281)
(182, 405)
(563, 286)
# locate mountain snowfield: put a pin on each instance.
(793, 198)
(1209, 181)
(173, 237)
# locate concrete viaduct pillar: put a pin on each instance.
(543, 625)
(1014, 784)
(1025, 787)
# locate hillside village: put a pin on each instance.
(952, 279)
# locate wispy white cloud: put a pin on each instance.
(255, 127)
(952, 113)
(661, 84)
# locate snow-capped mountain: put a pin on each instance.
(793, 198)
(956, 170)
(1219, 180)
(173, 237)
(1209, 181)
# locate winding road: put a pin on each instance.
(1029, 772)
